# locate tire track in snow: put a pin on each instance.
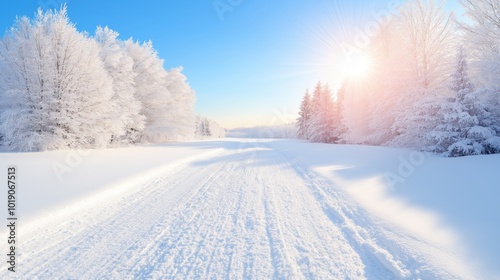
(88, 237)
(244, 213)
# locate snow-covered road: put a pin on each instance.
(245, 212)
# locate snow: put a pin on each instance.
(62, 89)
(449, 202)
(256, 208)
(53, 180)
(285, 131)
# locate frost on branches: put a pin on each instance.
(423, 92)
(208, 129)
(465, 125)
(61, 89)
(319, 119)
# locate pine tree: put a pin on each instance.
(207, 128)
(465, 123)
(304, 121)
(340, 128)
(323, 118)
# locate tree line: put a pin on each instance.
(206, 128)
(434, 85)
(64, 89)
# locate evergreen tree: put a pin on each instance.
(464, 127)
(322, 121)
(340, 128)
(304, 121)
(206, 126)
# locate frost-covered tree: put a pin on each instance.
(205, 128)
(429, 41)
(429, 36)
(62, 89)
(120, 66)
(421, 116)
(55, 91)
(305, 116)
(167, 100)
(320, 117)
(482, 36)
(339, 127)
(151, 91)
(181, 106)
(464, 127)
(386, 82)
(323, 118)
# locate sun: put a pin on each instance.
(358, 67)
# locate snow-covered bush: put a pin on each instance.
(492, 145)
(480, 133)
(465, 148)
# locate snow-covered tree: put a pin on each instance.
(339, 127)
(167, 100)
(120, 67)
(205, 129)
(429, 37)
(429, 42)
(387, 81)
(62, 89)
(202, 127)
(323, 118)
(464, 128)
(320, 117)
(55, 91)
(181, 106)
(151, 90)
(482, 36)
(305, 115)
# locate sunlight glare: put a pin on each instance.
(358, 67)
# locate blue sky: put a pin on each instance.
(249, 62)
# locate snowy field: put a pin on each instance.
(255, 209)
